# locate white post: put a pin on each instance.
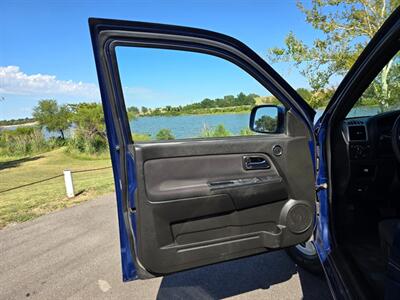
(69, 184)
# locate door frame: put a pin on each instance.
(106, 36)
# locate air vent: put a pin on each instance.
(357, 133)
(355, 122)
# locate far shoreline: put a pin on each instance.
(202, 114)
(141, 116)
(2, 127)
(19, 125)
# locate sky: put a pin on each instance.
(45, 51)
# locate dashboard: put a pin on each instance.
(370, 137)
(363, 154)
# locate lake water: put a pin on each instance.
(189, 126)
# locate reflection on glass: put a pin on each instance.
(266, 119)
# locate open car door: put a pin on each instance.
(189, 203)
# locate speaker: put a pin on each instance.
(297, 216)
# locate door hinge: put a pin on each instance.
(322, 186)
(316, 149)
(317, 158)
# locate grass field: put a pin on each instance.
(28, 202)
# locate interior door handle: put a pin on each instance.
(255, 163)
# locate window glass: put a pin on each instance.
(171, 94)
(382, 95)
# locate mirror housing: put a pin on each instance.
(267, 119)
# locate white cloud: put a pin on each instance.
(13, 81)
(15, 84)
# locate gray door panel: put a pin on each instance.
(204, 175)
(196, 203)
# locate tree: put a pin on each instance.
(52, 116)
(345, 27)
(134, 109)
(144, 110)
(385, 88)
(165, 134)
(90, 132)
(305, 94)
(206, 103)
(133, 112)
(266, 124)
(89, 119)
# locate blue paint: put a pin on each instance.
(322, 236)
(127, 261)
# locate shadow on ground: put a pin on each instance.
(241, 276)
(17, 162)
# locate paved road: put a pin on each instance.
(74, 254)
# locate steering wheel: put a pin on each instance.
(396, 138)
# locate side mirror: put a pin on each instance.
(267, 119)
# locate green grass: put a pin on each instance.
(29, 202)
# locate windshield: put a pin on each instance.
(382, 95)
